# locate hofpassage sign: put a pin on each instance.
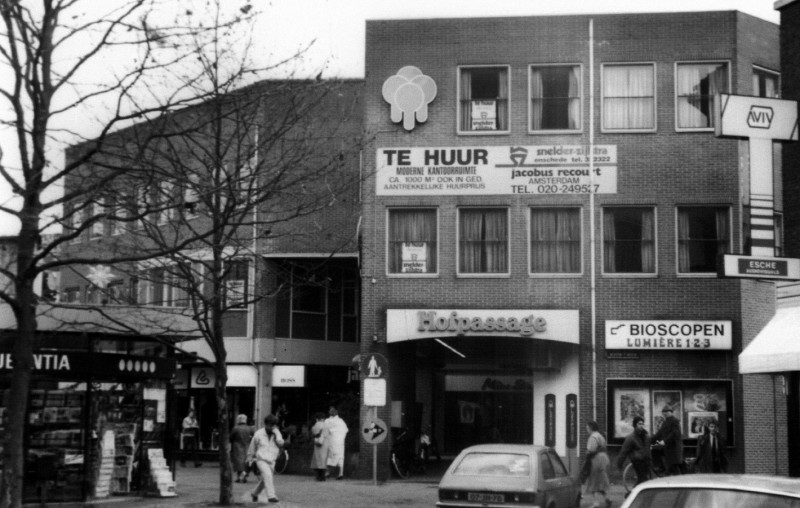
(668, 335)
(466, 170)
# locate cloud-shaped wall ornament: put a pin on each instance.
(409, 92)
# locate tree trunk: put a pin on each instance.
(225, 466)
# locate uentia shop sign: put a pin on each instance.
(547, 169)
(415, 324)
(669, 335)
(79, 364)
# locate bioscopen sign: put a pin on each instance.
(548, 169)
(415, 324)
(672, 335)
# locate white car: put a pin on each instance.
(508, 475)
(716, 491)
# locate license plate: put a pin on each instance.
(485, 498)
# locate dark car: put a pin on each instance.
(716, 491)
(498, 475)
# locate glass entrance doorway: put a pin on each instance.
(487, 409)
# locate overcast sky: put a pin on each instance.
(337, 29)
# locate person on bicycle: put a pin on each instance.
(637, 447)
(671, 436)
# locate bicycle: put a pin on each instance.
(404, 460)
(282, 462)
(656, 469)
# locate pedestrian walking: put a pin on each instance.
(263, 451)
(336, 432)
(597, 482)
(711, 451)
(241, 434)
(637, 447)
(319, 456)
(190, 438)
(671, 436)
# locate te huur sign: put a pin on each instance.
(758, 267)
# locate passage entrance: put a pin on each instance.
(487, 409)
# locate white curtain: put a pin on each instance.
(562, 101)
(412, 226)
(483, 241)
(628, 97)
(697, 85)
(555, 241)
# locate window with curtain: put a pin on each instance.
(483, 240)
(483, 99)
(703, 234)
(629, 240)
(555, 97)
(765, 83)
(412, 241)
(555, 240)
(629, 97)
(696, 87)
(236, 291)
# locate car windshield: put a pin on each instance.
(710, 498)
(494, 464)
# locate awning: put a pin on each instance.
(777, 347)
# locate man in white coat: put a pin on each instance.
(336, 430)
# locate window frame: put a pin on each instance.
(580, 98)
(626, 275)
(497, 132)
(533, 274)
(390, 273)
(758, 71)
(729, 212)
(654, 96)
(779, 234)
(462, 274)
(676, 85)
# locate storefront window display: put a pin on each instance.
(92, 418)
(694, 403)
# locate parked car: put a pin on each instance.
(716, 491)
(496, 475)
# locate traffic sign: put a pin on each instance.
(374, 365)
(375, 431)
(374, 392)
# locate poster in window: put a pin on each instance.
(484, 115)
(627, 404)
(706, 399)
(666, 398)
(234, 292)
(697, 420)
(415, 258)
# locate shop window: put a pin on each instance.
(765, 83)
(483, 99)
(629, 240)
(555, 240)
(697, 84)
(694, 404)
(629, 97)
(555, 98)
(703, 235)
(483, 241)
(413, 246)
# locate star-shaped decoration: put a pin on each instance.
(100, 275)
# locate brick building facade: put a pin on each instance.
(512, 303)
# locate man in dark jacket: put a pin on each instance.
(711, 451)
(671, 436)
(637, 448)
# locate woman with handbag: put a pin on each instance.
(241, 434)
(597, 461)
(320, 455)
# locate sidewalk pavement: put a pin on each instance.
(199, 487)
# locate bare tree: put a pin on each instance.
(70, 69)
(272, 164)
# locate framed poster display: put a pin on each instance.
(697, 420)
(627, 404)
(662, 399)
